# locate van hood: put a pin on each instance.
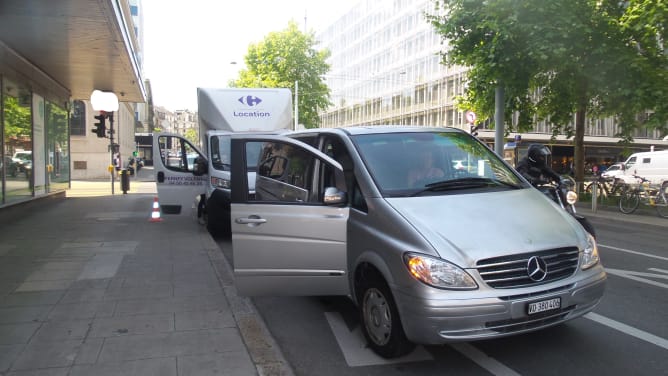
(464, 228)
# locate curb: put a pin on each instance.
(262, 348)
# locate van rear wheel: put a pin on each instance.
(380, 319)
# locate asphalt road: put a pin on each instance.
(626, 334)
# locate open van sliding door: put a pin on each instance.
(287, 240)
(174, 162)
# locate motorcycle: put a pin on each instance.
(564, 195)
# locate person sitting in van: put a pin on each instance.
(425, 170)
(534, 166)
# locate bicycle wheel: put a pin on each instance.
(629, 201)
(661, 201)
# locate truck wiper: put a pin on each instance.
(463, 183)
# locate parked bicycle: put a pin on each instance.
(606, 187)
(656, 197)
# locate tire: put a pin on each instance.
(217, 219)
(662, 201)
(629, 201)
(380, 319)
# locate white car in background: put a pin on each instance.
(613, 171)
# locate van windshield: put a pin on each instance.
(404, 164)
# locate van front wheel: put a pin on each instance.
(380, 320)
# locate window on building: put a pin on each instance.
(78, 119)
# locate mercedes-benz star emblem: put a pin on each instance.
(537, 268)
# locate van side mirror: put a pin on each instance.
(333, 196)
(200, 167)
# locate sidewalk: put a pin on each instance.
(89, 286)
(643, 215)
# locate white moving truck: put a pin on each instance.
(651, 165)
(196, 178)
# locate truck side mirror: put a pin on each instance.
(200, 167)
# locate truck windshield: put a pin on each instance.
(220, 154)
(405, 164)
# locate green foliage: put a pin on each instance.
(191, 135)
(284, 58)
(17, 119)
(560, 58)
(554, 56)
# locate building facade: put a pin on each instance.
(386, 69)
(53, 54)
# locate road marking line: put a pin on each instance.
(355, 350)
(633, 252)
(637, 276)
(626, 329)
(483, 360)
(658, 270)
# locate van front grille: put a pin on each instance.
(506, 272)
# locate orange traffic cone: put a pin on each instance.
(155, 215)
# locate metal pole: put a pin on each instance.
(296, 104)
(498, 120)
(594, 194)
(111, 147)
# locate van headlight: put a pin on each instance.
(438, 273)
(590, 254)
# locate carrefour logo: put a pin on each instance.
(250, 100)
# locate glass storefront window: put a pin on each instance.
(57, 147)
(17, 142)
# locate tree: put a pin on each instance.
(560, 58)
(284, 58)
(192, 135)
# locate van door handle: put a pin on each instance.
(253, 220)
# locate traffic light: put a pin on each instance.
(100, 128)
(474, 130)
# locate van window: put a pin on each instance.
(284, 173)
(646, 160)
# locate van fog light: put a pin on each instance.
(438, 273)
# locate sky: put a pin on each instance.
(194, 43)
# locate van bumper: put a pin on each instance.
(443, 320)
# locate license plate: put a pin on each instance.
(545, 305)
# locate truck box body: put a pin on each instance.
(243, 110)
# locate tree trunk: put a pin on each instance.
(578, 144)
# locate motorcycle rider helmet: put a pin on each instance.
(538, 155)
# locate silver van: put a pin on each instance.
(431, 251)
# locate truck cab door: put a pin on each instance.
(290, 238)
(177, 178)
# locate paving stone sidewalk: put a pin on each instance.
(89, 286)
